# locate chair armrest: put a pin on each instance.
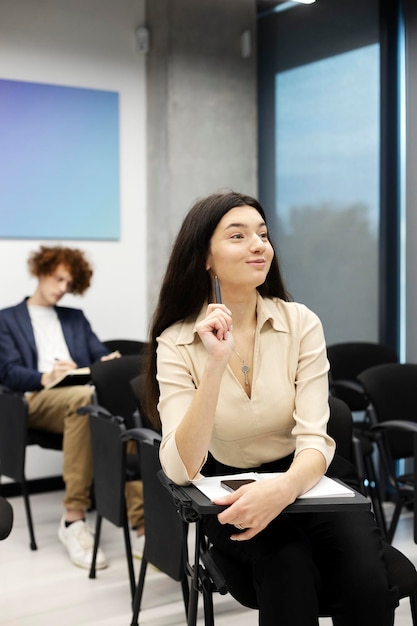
(141, 434)
(181, 499)
(94, 409)
(12, 405)
(6, 391)
(137, 434)
(347, 384)
(404, 425)
(208, 574)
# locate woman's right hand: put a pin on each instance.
(194, 432)
(215, 331)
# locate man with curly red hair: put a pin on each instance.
(40, 341)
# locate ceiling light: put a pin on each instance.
(284, 6)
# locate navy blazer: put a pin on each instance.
(18, 353)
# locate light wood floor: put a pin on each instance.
(43, 588)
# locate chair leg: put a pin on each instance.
(25, 494)
(99, 520)
(368, 479)
(195, 579)
(413, 606)
(186, 595)
(129, 557)
(208, 602)
(374, 493)
(394, 521)
(137, 600)
(193, 606)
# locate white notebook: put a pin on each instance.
(325, 488)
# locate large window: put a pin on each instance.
(319, 156)
(327, 189)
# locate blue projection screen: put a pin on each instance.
(59, 162)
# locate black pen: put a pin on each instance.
(217, 291)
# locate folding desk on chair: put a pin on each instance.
(192, 504)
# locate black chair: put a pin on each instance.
(111, 380)
(113, 391)
(112, 468)
(15, 436)
(166, 534)
(238, 581)
(347, 360)
(392, 392)
(126, 346)
(137, 385)
(114, 462)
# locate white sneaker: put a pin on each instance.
(78, 539)
(138, 545)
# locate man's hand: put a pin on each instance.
(59, 368)
(113, 355)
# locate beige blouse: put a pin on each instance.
(288, 409)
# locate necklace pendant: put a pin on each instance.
(245, 370)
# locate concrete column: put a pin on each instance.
(201, 112)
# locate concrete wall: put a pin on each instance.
(202, 112)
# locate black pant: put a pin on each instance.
(303, 563)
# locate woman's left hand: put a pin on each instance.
(255, 505)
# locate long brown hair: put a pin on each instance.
(187, 283)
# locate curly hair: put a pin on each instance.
(44, 262)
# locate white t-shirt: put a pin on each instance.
(49, 338)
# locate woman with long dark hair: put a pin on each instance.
(244, 378)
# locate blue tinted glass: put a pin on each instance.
(327, 188)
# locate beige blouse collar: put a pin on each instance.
(268, 310)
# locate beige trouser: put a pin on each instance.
(56, 410)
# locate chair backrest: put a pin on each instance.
(340, 427)
(164, 537)
(13, 434)
(349, 359)
(6, 518)
(138, 387)
(112, 382)
(392, 391)
(126, 346)
(109, 462)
